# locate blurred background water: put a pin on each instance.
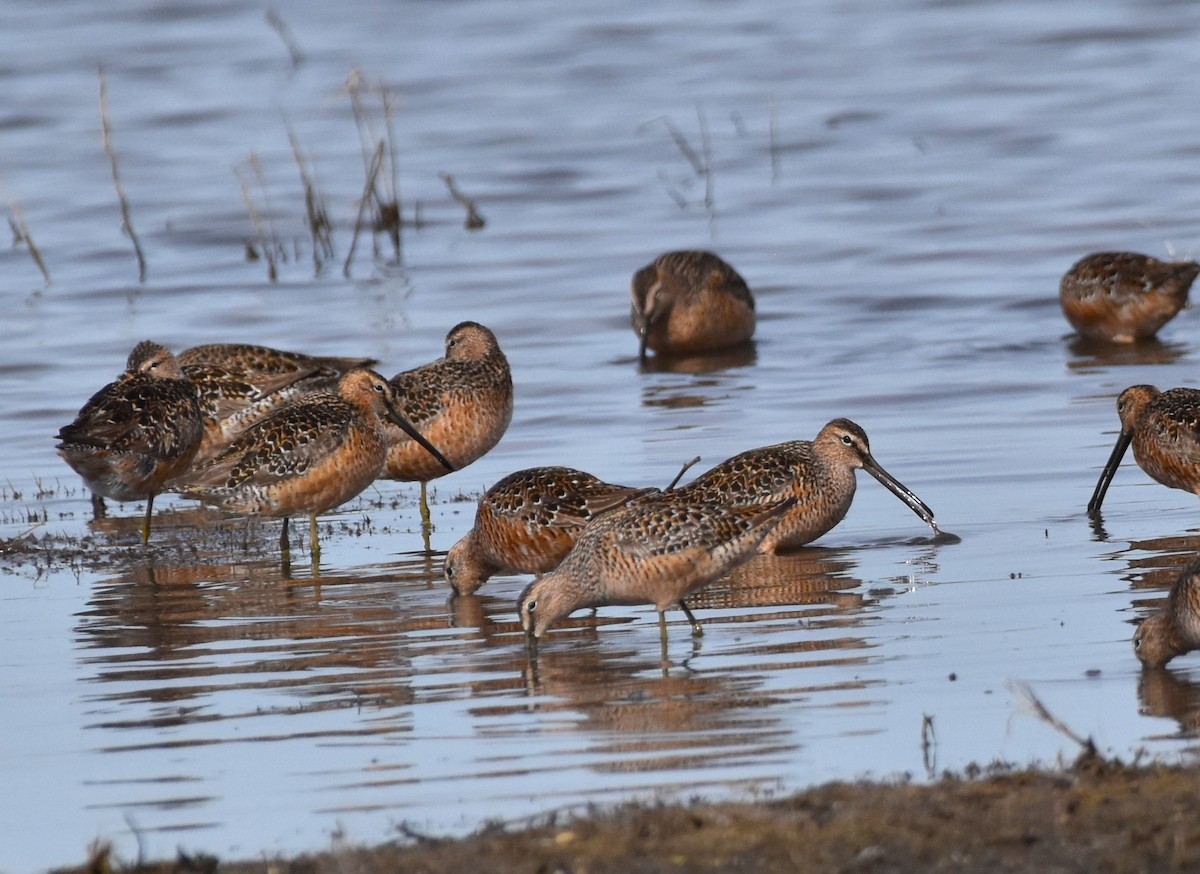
(902, 187)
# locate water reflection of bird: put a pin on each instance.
(688, 303)
(819, 474)
(135, 433)
(654, 550)
(1175, 629)
(307, 457)
(1123, 297)
(1167, 695)
(1164, 428)
(528, 521)
(807, 577)
(241, 383)
(461, 402)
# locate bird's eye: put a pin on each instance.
(530, 606)
(847, 439)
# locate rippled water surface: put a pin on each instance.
(902, 188)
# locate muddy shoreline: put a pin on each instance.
(1096, 815)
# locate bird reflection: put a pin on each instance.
(1163, 693)
(744, 355)
(1092, 354)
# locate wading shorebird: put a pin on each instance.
(461, 402)
(1175, 629)
(308, 456)
(1123, 297)
(1164, 428)
(137, 432)
(690, 302)
(241, 384)
(819, 474)
(654, 550)
(528, 521)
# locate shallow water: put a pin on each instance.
(902, 189)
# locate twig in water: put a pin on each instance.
(928, 746)
(389, 211)
(126, 221)
(285, 34)
(319, 225)
(706, 146)
(474, 220)
(1023, 691)
(372, 172)
(681, 142)
(774, 142)
(21, 234)
(267, 246)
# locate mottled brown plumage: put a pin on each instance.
(528, 521)
(462, 403)
(308, 456)
(1164, 428)
(1123, 297)
(690, 302)
(137, 432)
(819, 474)
(651, 551)
(1175, 629)
(241, 384)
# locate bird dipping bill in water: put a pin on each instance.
(819, 474)
(137, 432)
(1123, 297)
(690, 302)
(461, 402)
(528, 521)
(654, 550)
(1164, 428)
(1175, 629)
(308, 456)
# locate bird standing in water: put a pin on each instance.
(690, 302)
(654, 550)
(462, 403)
(308, 456)
(819, 474)
(528, 521)
(137, 432)
(1123, 297)
(1164, 428)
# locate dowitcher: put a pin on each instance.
(461, 402)
(1123, 297)
(137, 432)
(528, 521)
(1164, 428)
(689, 302)
(819, 474)
(241, 384)
(249, 359)
(1175, 629)
(308, 456)
(651, 551)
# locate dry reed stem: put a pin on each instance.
(286, 36)
(21, 234)
(319, 225)
(687, 465)
(264, 244)
(126, 221)
(372, 173)
(474, 220)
